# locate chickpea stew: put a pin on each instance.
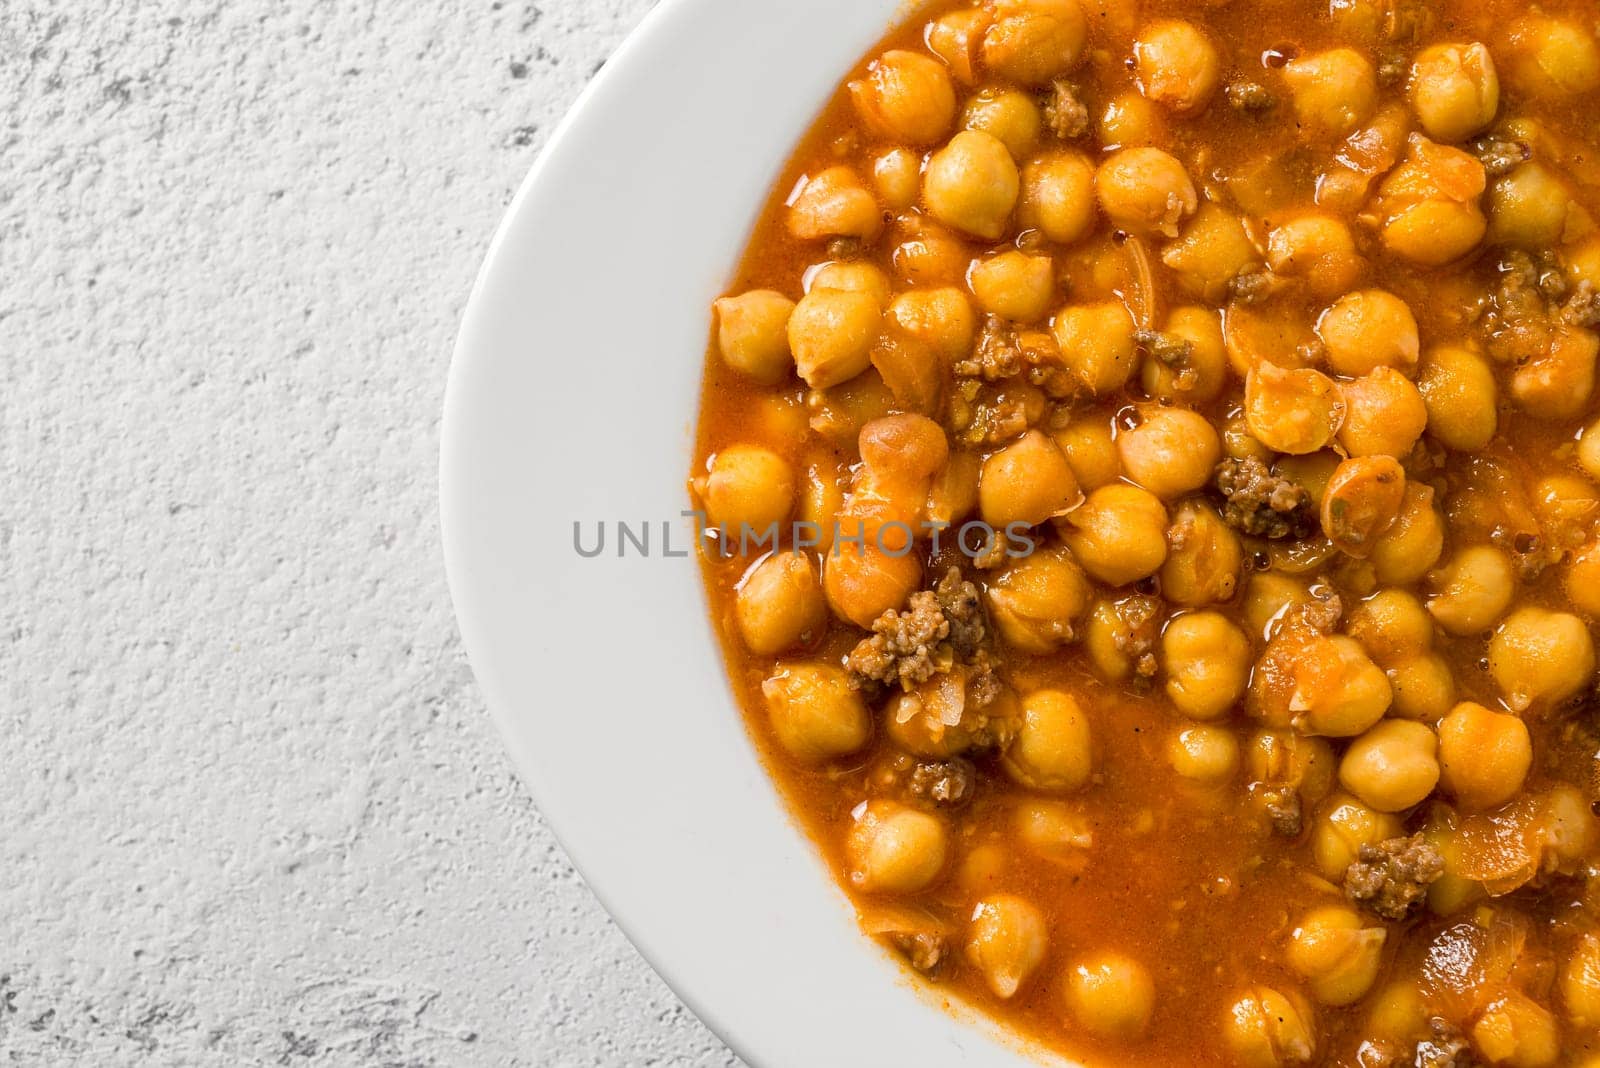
(1157, 472)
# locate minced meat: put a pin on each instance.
(1446, 1048)
(939, 627)
(1391, 878)
(1501, 155)
(1141, 629)
(1582, 307)
(1263, 504)
(1284, 809)
(996, 356)
(926, 951)
(1064, 112)
(943, 782)
(1252, 97)
(1252, 286)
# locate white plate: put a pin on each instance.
(572, 398)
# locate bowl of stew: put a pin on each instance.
(1038, 531)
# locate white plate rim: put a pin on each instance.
(846, 1004)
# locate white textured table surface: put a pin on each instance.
(255, 812)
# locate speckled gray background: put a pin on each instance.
(255, 813)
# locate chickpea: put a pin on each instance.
(1144, 191)
(1580, 982)
(1517, 1031)
(1360, 502)
(1057, 196)
(1360, 20)
(1392, 626)
(1036, 602)
(1204, 557)
(1171, 452)
(1369, 329)
(1213, 250)
(780, 604)
(1286, 758)
(1119, 534)
(1256, 336)
(1569, 827)
(1052, 749)
(1026, 482)
(957, 38)
(1009, 115)
(1097, 344)
(1118, 637)
(1540, 658)
(1455, 90)
(1131, 121)
(1057, 832)
(1337, 954)
(1295, 412)
(943, 319)
(1472, 590)
(953, 493)
(1414, 543)
(900, 450)
(1582, 580)
(1313, 471)
(1198, 377)
(1268, 598)
(839, 412)
(926, 720)
(1342, 827)
(1428, 205)
(1393, 766)
(895, 849)
(831, 333)
(1558, 384)
(1589, 450)
(1240, 444)
(1177, 65)
(1268, 1029)
(835, 204)
(1207, 661)
(1014, 285)
(752, 334)
(1007, 942)
(906, 97)
(1111, 995)
(1532, 208)
(971, 184)
(1566, 506)
(748, 487)
(815, 714)
(1552, 58)
(1424, 687)
(1334, 91)
(1204, 753)
(862, 581)
(1338, 691)
(897, 176)
(1091, 452)
(1484, 756)
(928, 254)
(822, 497)
(1459, 392)
(1318, 249)
(1385, 414)
(1032, 42)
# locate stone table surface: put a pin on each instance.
(255, 811)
